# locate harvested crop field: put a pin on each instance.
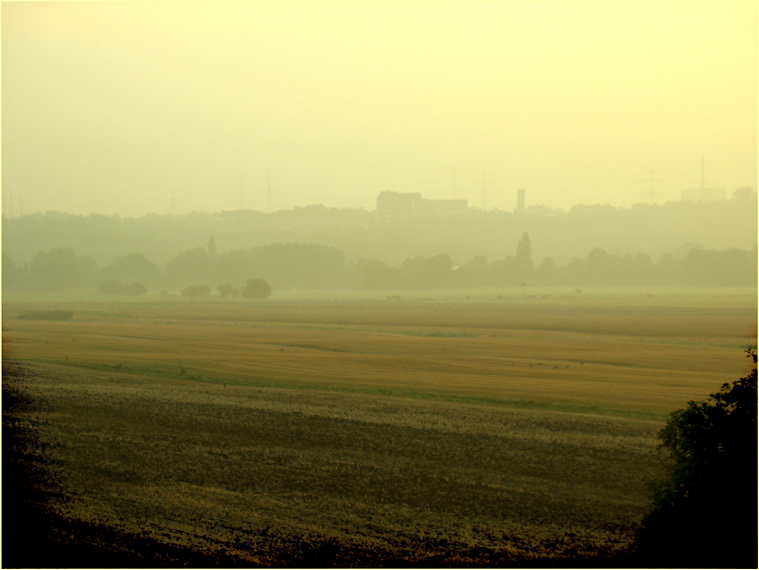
(364, 432)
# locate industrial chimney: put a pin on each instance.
(520, 200)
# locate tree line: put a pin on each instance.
(650, 229)
(313, 266)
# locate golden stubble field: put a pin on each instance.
(643, 358)
(346, 432)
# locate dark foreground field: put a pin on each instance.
(158, 472)
(110, 462)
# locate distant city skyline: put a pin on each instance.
(252, 200)
(140, 107)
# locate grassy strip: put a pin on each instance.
(436, 334)
(181, 374)
(47, 315)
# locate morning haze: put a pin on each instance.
(140, 107)
(379, 284)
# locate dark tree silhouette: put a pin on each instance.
(13, 275)
(524, 249)
(256, 289)
(523, 263)
(130, 268)
(194, 291)
(226, 291)
(61, 269)
(705, 512)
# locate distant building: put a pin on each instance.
(701, 195)
(395, 207)
(535, 210)
(398, 207)
(521, 199)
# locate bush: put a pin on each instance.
(194, 291)
(256, 289)
(705, 511)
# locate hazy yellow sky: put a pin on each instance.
(116, 106)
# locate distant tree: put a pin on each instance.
(524, 248)
(61, 269)
(111, 287)
(427, 272)
(136, 289)
(212, 246)
(744, 194)
(574, 271)
(13, 275)
(256, 289)
(130, 268)
(523, 264)
(374, 274)
(602, 268)
(684, 249)
(227, 291)
(192, 265)
(705, 512)
(194, 291)
(643, 264)
(731, 267)
(298, 264)
(473, 273)
(545, 273)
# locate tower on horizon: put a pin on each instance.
(520, 199)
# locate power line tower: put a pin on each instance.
(652, 192)
(521, 200)
(703, 180)
(242, 192)
(453, 183)
(173, 204)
